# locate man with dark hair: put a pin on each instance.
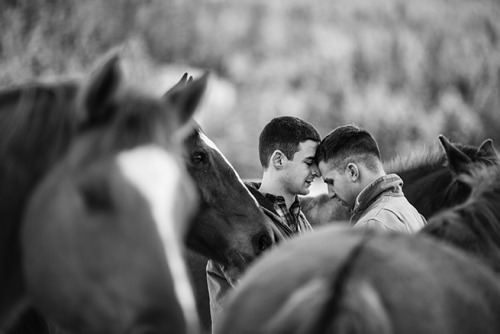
(350, 164)
(287, 147)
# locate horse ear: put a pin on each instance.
(187, 98)
(457, 160)
(101, 89)
(182, 83)
(488, 148)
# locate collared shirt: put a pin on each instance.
(382, 205)
(275, 209)
(293, 216)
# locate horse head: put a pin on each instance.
(102, 235)
(229, 227)
(463, 160)
(432, 179)
(473, 226)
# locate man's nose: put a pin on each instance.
(331, 193)
(315, 171)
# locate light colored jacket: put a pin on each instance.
(383, 206)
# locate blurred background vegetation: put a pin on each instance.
(404, 70)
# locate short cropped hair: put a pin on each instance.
(348, 143)
(285, 134)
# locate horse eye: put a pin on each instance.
(197, 158)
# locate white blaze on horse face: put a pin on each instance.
(154, 173)
(213, 146)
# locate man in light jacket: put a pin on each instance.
(350, 164)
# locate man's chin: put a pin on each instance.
(305, 191)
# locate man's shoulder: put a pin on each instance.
(393, 213)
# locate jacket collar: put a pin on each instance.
(390, 182)
(261, 198)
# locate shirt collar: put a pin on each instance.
(370, 192)
(279, 199)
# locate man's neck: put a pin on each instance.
(271, 186)
(371, 177)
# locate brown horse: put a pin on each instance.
(474, 226)
(432, 179)
(337, 280)
(102, 234)
(229, 227)
(322, 209)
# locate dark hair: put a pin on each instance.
(285, 134)
(348, 142)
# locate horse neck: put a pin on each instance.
(482, 214)
(481, 217)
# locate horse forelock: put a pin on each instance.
(133, 120)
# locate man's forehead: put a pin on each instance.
(308, 148)
(326, 165)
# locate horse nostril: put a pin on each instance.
(265, 242)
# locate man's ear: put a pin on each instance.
(353, 171)
(277, 159)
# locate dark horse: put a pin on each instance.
(37, 123)
(474, 226)
(229, 227)
(227, 210)
(337, 280)
(322, 210)
(431, 179)
(101, 236)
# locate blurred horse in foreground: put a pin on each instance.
(431, 180)
(102, 234)
(228, 226)
(338, 280)
(473, 226)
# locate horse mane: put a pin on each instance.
(434, 157)
(32, 114)
(424, 157)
